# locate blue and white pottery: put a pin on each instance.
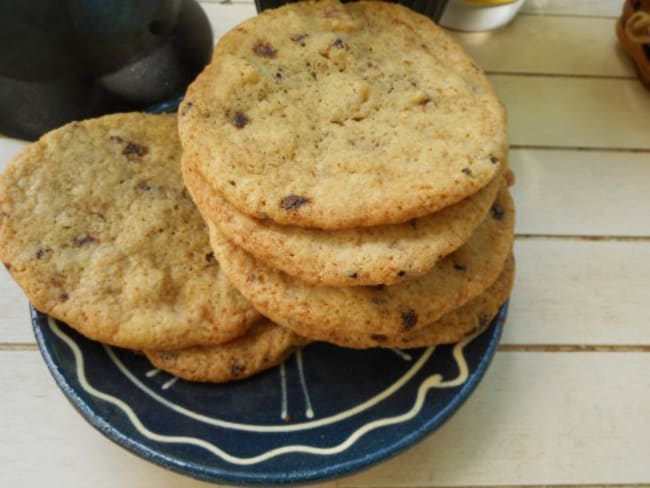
(325, 412)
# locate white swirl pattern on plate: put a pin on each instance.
(432, 381)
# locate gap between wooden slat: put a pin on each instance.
(642, 150)
(579, 16)
(18, 346)
(562, 75)
(570, 237)
(576, 485)
(573, 348)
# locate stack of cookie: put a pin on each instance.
(349, 162)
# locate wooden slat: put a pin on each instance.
(8, 149)
(47, 443)
(581, 192)
(606, 8)
(580, 292)
(536, 418)
(567, 292)
(14, 315)
(14, 312)
(575, 112)
(225, 17)
(540, 44)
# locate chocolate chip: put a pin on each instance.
(63, 297)
(378, 337)
(143, 185)
(292, 202)
(483, 320)
(409, 319)
(467, 171)
(43, 252)
(83, 240)
(278, 75)
(494, 160)
(460, 267)
(210, 258)
(239, 120)
(299, 38)
(379, 287)
(401, 273)
(265, 49)
(134, 151)
(236, 368)
(354, 275)
(424, 101)
(414, 223)
(497, 211)
(7, 266)
(340, 43)
(186, 108)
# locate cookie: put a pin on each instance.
(99, 231)
(330, 115)
(265, 345)
(408, 306)
(348, 257)
(454, 326)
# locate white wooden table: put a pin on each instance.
(567, 398)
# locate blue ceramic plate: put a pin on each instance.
(326, 412)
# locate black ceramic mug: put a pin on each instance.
(64, 60)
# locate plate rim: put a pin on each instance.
(238, 476)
